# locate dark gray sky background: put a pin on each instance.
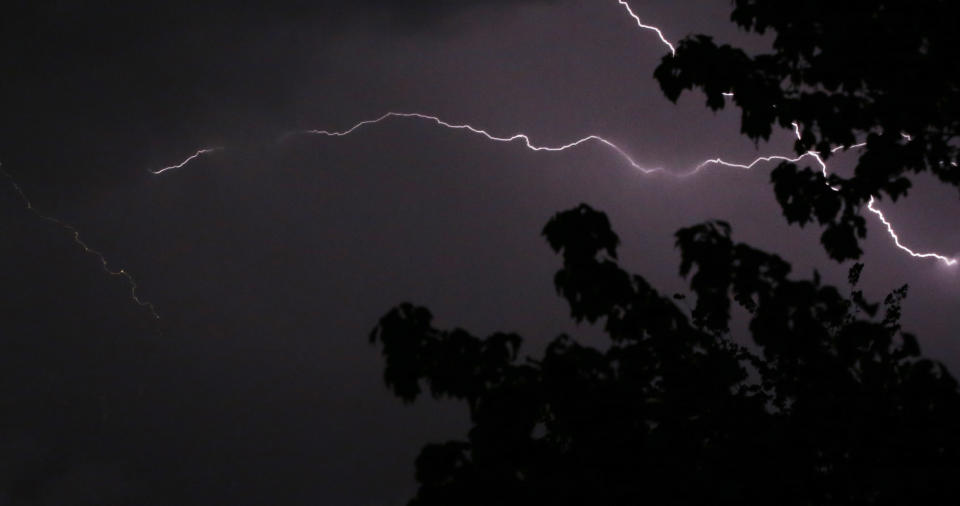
(269, 262)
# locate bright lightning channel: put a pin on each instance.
(524, 138)
(104, 264)
(528, 143)
(640, 24)
(896, 239)
(871, 207)
(815, 155)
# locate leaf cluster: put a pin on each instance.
(883, 72)
(831, 404)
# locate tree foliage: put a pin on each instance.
(883, 72)
(831, 403)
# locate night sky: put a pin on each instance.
(270, 261)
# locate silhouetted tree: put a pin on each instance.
(831, 404)
(884, 72)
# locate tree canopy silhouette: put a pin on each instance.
(883, 72)
(830, 404)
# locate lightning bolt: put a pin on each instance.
(896, 239)
(527, 142)
(871, 204)
(523, 138)
(75, 234)
(815, 155)
(748, 166)
(673, 50)
(198, 154)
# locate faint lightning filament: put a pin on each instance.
(104, 264)
(198, 154)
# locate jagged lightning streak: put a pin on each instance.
(198, 154)
(659, 33)
(814, 154)
(871, 207)
(524, 138)
(528, 143)
(823, 168)
(748, 166)
(104, 264)
(75, 233)
(896, 239)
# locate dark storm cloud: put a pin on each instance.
(22, 17)
(72, 359)
(270, 263)
(98, 406)
(75, 70)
